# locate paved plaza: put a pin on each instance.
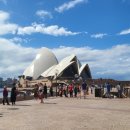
(67, 114)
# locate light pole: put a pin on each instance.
(56, 73)
(78, 79)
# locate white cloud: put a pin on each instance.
(5, 26)
(15, 58)
(125, 32)
(98, 35)
(3, 16)
(3, 1)
(54, 30)
(69, 5)
(10, 28)
(43, 14)
(85, 32)
(101, 61)
(18, 40)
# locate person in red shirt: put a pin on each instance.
(5, 96)
(71, 90)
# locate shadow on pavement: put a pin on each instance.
(49, 103)
(23, 105)
(1, 115)
(12, 108)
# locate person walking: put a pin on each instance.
(75, 90)
(79, 91)
(65, 90)
(13, 95)
(84, 89)
(119, 90)
(71, 90)
(41, 96)
(61, 91)
(45, 90)
(108, 90)
(36, 91)
(5, 96)
(92, 88)
(51, 91)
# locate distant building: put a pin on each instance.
(9, 82)
(1, 82)
(1, 79)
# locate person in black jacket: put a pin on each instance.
(13, 95)
(45, 91)
(51, 91)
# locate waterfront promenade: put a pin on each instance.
(67, 114)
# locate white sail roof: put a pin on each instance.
(29, 71)
(82, 68)
(46, 65)
(44, 60)
(59, 68)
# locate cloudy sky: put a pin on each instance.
(98, 32)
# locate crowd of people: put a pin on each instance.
(108, 88)
(40, 91)
(71, 90)
(66, 90)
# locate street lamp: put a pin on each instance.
(76, 76)
(78, 79)
(56, 73)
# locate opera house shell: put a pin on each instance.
(46, 65)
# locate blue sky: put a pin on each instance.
(98, 32)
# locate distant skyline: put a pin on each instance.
(98, 32)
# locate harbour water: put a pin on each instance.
(1, 89)
(1, 92)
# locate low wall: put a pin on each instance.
(20, 98)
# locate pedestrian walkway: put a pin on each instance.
(67, 114)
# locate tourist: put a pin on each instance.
(71, 90)
(119, 90)
(84, 89)
(36, 91)
(65, 90)
(92, 88)
(45, 90)
(51, 91)
(13, 95)
(79, 91)
(108, 90)
(5, 96)
(75, 90)
(60, 91)
(87, 90)
(105, 90)
(41, 96)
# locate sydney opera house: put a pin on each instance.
(46, 65)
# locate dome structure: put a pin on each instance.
(44, 60)
(46, 65)
(84, 71)
(68, 68)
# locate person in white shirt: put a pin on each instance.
(41, 92)
(119, 90)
